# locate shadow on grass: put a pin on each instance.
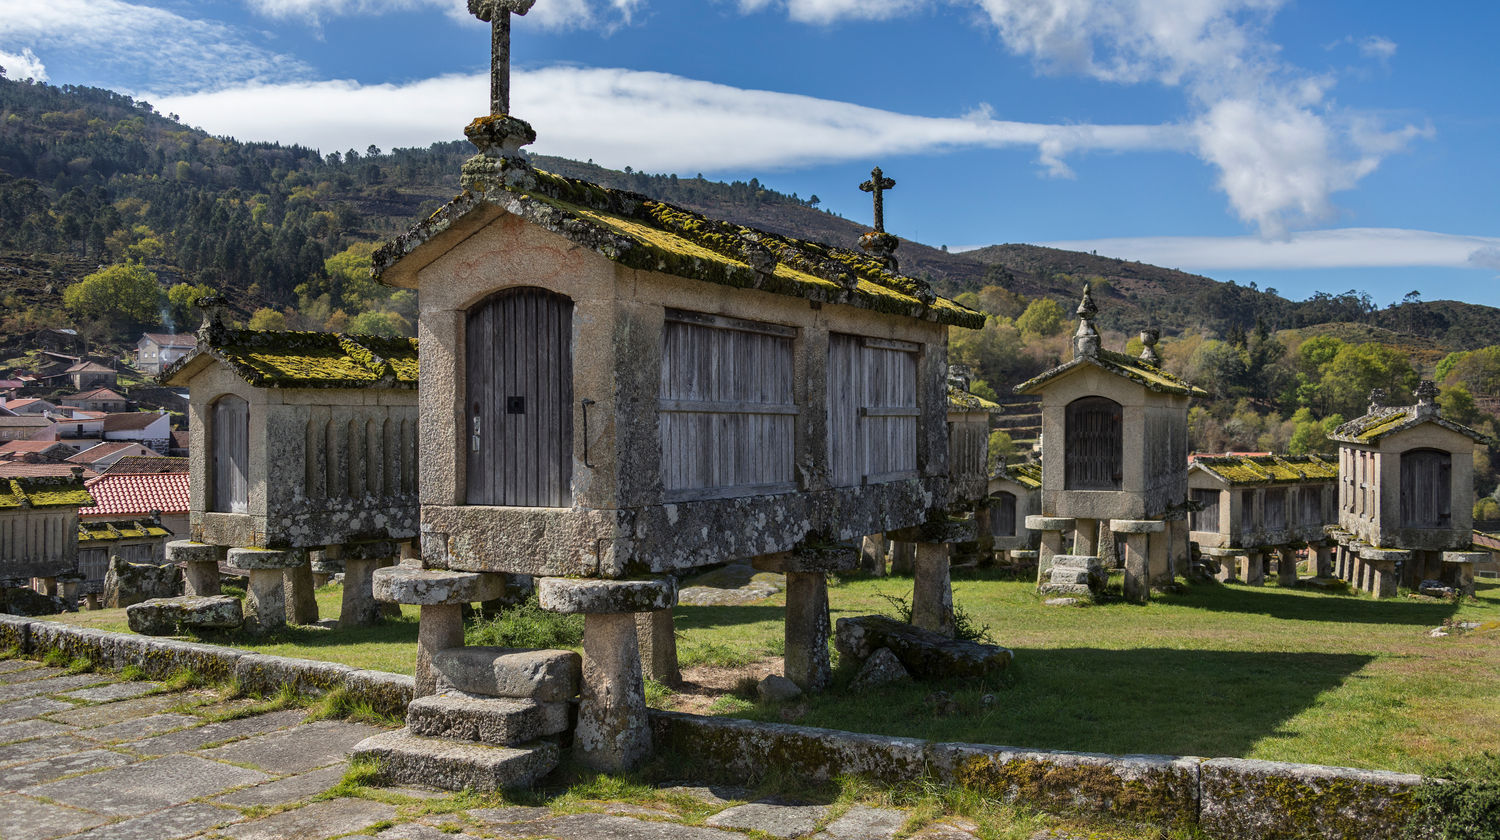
(698, 618)
(1149, 700)
(389, 631)
(1301, 605)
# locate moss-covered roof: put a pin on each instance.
(1239, 470)
(97, 532)
(1381, 422)
(1027, 474)
(1119, 364)
(651, 235)
(43, 491)
(961, 400)
(283, 359)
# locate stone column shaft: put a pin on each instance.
(1255, 570)
(1137, 568)
(1323, 563)
(656, 634)
(903, 557)
(1051, 546)
(1159, 554)
(265, 601)
(201, 578)
(1286, 567)
(1086, 538)
(614, 733)
(932, 590)
(47, 586)
(441, 627)
(806, 631)
(301, 601)
(1383, 579)
(359, 608)
(872, 554)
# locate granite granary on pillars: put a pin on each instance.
(1251, 509)
(39, 535)
(1114, 464)
(1015, 495)
(1406, 497)
(301, 441)
(616, 389)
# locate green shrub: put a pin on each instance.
(526, 625)
(1466, 806)
(965, 627)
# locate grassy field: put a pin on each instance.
(1258, 672)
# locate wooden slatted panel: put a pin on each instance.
(1093, 448)
(1275, 514)
(872, 410)
(1249, 519)
(519, 375)
(1003, 514)
(727, 408)
(845, 455)
(231, 455)
(1310, 504)
(968, 448)
(1207, 517)
(1426, 492)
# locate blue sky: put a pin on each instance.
(1306, 146)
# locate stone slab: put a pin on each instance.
(165, 616)
(1468, 556)
(1259, 800)
(40, 772)
(264, 559)
(924, 653)
(141, 727)
(40, 748)
(30, 708)
(288, 790)
(1384, 554)
(147, 786)
(28, 819)
(508, 815)
(113, 691)
(609, 827)
(1050, 523)
(778, 818)
(432, 587)
(418, 831)
(50, 685)
(297, 750)
(547, 676)
(8, 666)
(864, 822)
(501, 721)
(170, 824)
(588, 595)
(719, 795)
(405, 758)
(1137, 526)
(28, 674)
(330, 818)
(212, 733)
(107, 713)
(25, 729)
(188, 551)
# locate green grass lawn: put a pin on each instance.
(1258, 672)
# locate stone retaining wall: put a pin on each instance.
(1225, 797)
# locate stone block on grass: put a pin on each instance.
(500, 721)
(548, 676)
(164, 616)
(924, 653)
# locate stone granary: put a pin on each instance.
(39, 530)
(1406, 497)
(1114, 460)
(132, 540)
(301, 441)
(617, 390)
(1250, 507)
(1015, 494)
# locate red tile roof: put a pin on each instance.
(96, 394)
(17, 405)
(149, 464)
(89, 367)
(18, 469)
(25, 420)
(137, 494)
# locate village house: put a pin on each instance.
(1406, 497)
(1114, 463)
(105, 400)
(27, 406)
(304, 441)
(101, 457)
(27, 427)
(155, 352)
(1249, 509)
(88, 375)
(151, 428)
(616, 389)
(42, 450)
(39, 528)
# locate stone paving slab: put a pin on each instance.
(606, 827)
(113, 691)
(148, 786)
(296, 751)
(864, 822)
(720, 795)
(38, 772)
(143, 727)
(171, 824)
(417, 831)
(37, 672)
(22, 730)
(107, 713)
(50, 685)
(505, 816)
(776, 817)
(9, 665)
(40, 748)
(30, 708)
(212, 733)
(27, 819)
(330, 818)
(287, 791)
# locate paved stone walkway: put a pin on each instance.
(89, 756)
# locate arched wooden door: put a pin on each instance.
(230, 439)
(519, 375)
(1093, 445)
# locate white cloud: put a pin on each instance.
(1334, 248)
(1378, 48)
(828, 11)
(23, 65)
(548, 14)
(652, 121)
(127, 41)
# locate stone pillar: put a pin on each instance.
(47, 586)
(69, 585)
(1383, 579)
(807, 628)
(1322, 561)
(1462, 563)
(1138, 533)
(1254, 568)
(613, 733)
(359, 608)
(1286, 567)
(441, 596)
(1086, 538)
(872, 554)
(656, 635)
(1051, 528)
(932, 590)
(1228, 563)
(91, 601)
(984, 538)
(1159, 556)
(200, 565)
(903, 557)
(1179, 548)
(325, 564)
(265, 597)
(301, 600)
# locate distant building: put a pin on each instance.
(103, 456)
(27, 405)
(86, 374)
(153, 429)
(58, 341)
(1251, 506)
(97, 399)
(140, 495)
(40, 450)
(1015, 492)
(39, 526)
(156, 352)
(27, 427)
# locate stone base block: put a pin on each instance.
(189, 551)
(546, 676)
(587, 595)
(1070, 590)
(498, 721)
(408, 759)
(1024, 556)
(1384, 554)
(163, 616)
(1467, 557)
(434, 587)
(925, 654)
(265, 559)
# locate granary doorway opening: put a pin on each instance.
(1093, 443)
(1426, 489)
(1003, 514)
(230, 437)
(519, 402)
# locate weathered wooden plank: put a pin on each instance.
(231, 454)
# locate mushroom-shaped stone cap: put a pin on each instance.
(1137, 526)
(1392, 554)
(1049, 523)
(1467, 557)
(434, 587)
(587, 595)
(188, 551)
(265, 559)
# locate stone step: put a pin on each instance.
(1063, 575)
(405, 758)
(543, 675)
(499, 721)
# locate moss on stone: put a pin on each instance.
(43, 492)
(286, 359)
(1163, 797)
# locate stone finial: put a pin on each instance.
(213, 306)
(960, 377)
(1149, 337)
(497, 14)
(1426, 394)
(1086, 339)
(1377, 400)
(499, 136)
(877, 243)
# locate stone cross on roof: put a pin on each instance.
(497, 13)
(878, 184)
(1086, 340)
